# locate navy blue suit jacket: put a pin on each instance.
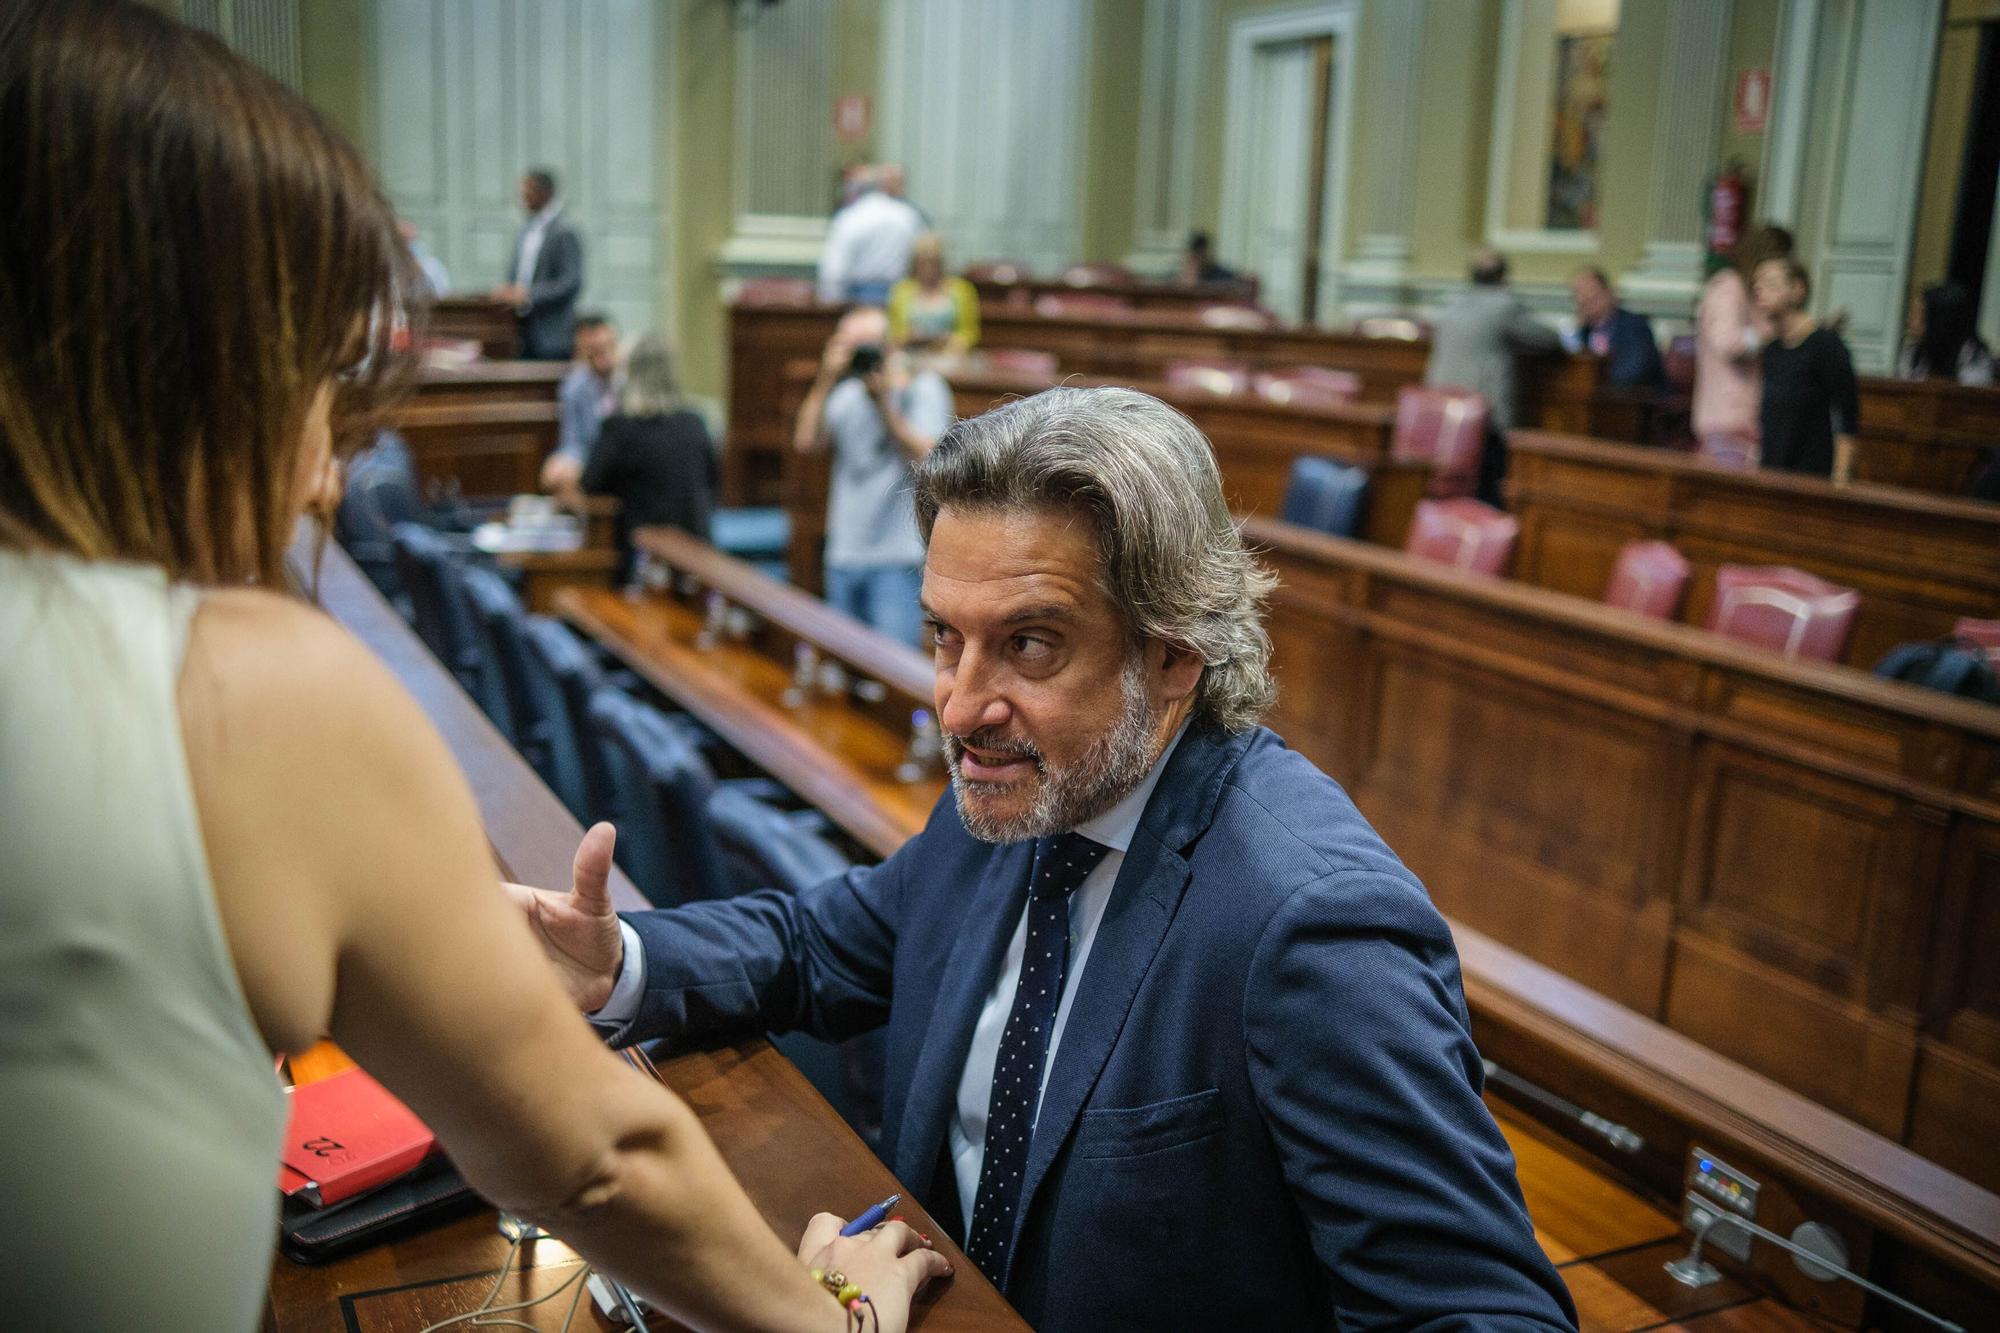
(1264, 1111)
(1633, 358)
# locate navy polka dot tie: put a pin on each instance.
(1060, 866)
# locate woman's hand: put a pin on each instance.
(890, 1264)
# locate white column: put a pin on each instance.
(1685, 134)
(1791, 108)
(1375, 278)
(1174, 41)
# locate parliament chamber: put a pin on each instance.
(1731, 903)
(1602, 400)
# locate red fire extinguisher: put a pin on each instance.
(1727, 203)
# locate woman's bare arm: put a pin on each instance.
(359, 898)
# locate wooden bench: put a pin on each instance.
(1610, 1223)
(1929, 435)
(1919, 561)
(764, 1117)
(1794, 864)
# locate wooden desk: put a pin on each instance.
(1908, 1218)
(1256, 442)
(1919, 561)
(1926, 434)
(764, 1117)
(486, 426)
(1558, 393)
(476, 317)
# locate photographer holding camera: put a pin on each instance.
(879, 416)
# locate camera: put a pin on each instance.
(867, 359)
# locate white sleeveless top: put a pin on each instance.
(140, 1116)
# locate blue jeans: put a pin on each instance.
(884, 596)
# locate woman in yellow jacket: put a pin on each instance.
(929, 311)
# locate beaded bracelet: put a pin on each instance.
(851, 1297)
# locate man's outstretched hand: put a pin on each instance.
(578, 930)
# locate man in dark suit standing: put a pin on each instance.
(547, 272)
(1174, 1040)
(1624, 338)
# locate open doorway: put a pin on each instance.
(1284, 147)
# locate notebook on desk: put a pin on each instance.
(346, 1135)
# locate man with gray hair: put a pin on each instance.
(1174, 1040)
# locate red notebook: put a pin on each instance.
(347, 1134)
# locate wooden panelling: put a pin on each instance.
(1842, 1056)
(1789, 862)
(1561, 393)
(763, 343)
(1919, 561)
(476, 319)
(1143, 294)
(1926, 434)
(484, 428)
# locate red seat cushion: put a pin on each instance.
(1786, 610)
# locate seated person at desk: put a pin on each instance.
(1623, 338)
(1145, 965)
(228, 830)
(654, 454)
(1811, 405)
(930, 311)
(879, 415)
(1941, 340)
(587, 395)
(1198, 267)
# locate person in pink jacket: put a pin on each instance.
(1730, 333)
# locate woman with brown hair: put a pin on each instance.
(227, 829)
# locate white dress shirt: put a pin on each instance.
(530, 253)
(868, 242)
(1113, 829)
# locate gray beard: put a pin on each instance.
(1105, 774)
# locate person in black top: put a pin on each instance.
(1811, 403)
(654, 454)
(1941, 341)
(1198, 267)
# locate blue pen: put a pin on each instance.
(871, 1219)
